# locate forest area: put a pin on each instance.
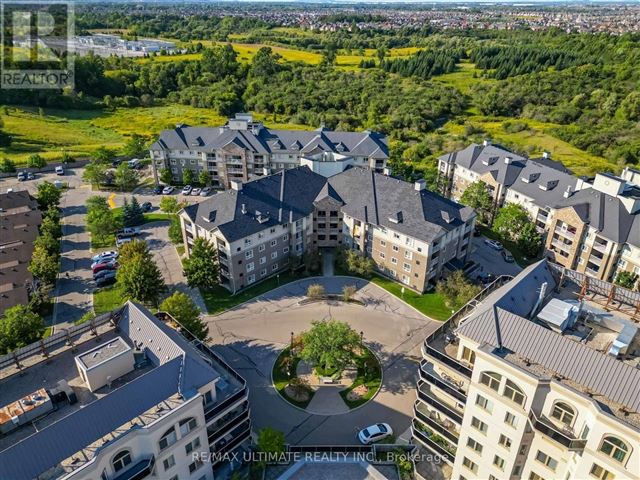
(577, 95)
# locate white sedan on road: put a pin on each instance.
(374, 433)
(167, 190)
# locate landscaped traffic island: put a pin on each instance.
(329, 360)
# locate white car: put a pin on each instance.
(105, 255)
(496, 245)
(187, 190)
(120, 241)
(205, 191)
(196, 191)
(167, 190)
(59, 170)
(374, 433)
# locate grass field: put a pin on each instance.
(463, 78)
(281, 379)
(107, 299)
(430, 303)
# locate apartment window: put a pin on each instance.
(274, 267)
(274, 243)
(251, 278)
(491, 380)
(285, 237)
(615, 448)
(563, 412)
(505, 441)
(498, 462)
(394, 260)
(468, 355)
(546, 460)
(191, 446)
(248, 254)
(263, 260)
(121, 460)
(510, 419)
(247, 241)
(475, 446)
(195, 466)
(513, 393)
(598, 472)
(484, 403)
(274, 255)
(382, 255)
(168, 462)
(469, 465)
(263, 272)
(261, 248)
(168, 439)
(406, 267)
(395, 248)
(285, 250)
(535, 476)
(383, 243)
(408, 255)
(395, 235)
(272, 230)
(250, 266)
(187, 425)
(479, 425)
(175, 477)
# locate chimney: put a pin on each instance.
(486, 143)
(387, 171)
(244, 208)
(420, 185)
(567, 193)
(546, 155)
(236, 185)
(508, 160)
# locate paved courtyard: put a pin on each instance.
(250, 337)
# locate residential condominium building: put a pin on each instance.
(536, 379)
(19, 223)
(244, 149)
(591, 226)
(123, 396)
(410, 233)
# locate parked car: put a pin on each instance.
(59, 170)
(167, 190)
(111, 265)
(146, 207)
(196, 191)
(205, 191)
(507, 256)
(158, 189)
(105, 255)
(120, 241)
(496, 245)
(134, 163)
(116, 162)
(104, 273)
(22, 176)
(374, 433)
(186, 190)
(30, 176)
(107, 279)
(128, 232)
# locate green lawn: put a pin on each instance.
(281, 379)
(107, 299)
(430, 303)
(221, 299)
(371, 379)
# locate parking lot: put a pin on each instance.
(490, 260)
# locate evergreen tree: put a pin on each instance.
(137, 214)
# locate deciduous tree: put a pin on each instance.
(510, 221)
(477, 197)
(329, 344)
(201, 268)
(48, 195)
(140, 278)
(126, 178)
(19, 327)
(181, 307)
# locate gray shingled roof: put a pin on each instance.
(607, 214)
(367, 196)
(575, 361)
(208, 139)
(179, 368)
(545, 185)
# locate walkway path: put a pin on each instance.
(327, 263)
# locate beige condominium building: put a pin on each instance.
(590, 225)
(537, 378)
(245, 149)
(120, 397)
(409, 232)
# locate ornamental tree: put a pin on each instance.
(329, 344)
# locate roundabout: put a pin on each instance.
(322, 406)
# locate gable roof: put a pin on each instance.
(544, 184)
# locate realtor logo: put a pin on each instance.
(37, 44)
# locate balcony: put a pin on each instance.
(445, 359)
(231, 441)
(542, 218)
(227, 423)
(426, 438)
(595, 260)
(570, 234)
(565, 438)
(426, 395)
(429, 417)
(140, 470)
(600, 247)
(591, 272)
(443, 382)
(565, 247)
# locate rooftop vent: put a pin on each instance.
(508, 160)
(420, 185)
(567, 193)
(546, 155)
(387, 171)
(397, 218)
(447, 217)
(490, 160)
(236, 185)
(486, 143)
(244, 208)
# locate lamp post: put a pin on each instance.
(278, 277)
(361, 336)
(291, 343)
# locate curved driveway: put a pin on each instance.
(251, 335)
